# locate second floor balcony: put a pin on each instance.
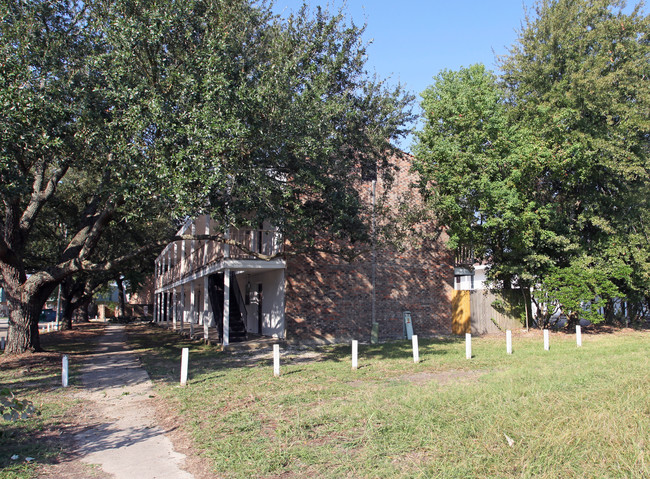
(183, 258)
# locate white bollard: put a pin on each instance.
(509, 341)
(416, 349)
(276, 360)
(185, 359)
(64, 372)
(355, 354)
(578, 335)
(546, 341)
(468, 345)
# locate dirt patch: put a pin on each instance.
(172, 425)
(443, 377)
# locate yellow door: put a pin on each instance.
(460, 314)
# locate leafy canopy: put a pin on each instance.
(543, 171)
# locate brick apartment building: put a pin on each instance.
(307, 297)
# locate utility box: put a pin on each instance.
(408, 325)
(374, 334)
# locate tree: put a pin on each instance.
(545, 172)
(177, 109)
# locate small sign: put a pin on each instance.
(408, 325)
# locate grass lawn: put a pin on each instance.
(571, 412)
(37, 377)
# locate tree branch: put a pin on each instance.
(8, 256)
(40, 195)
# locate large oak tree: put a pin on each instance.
(173, 108)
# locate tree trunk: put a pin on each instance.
(120, 297)
(23, 328)
(68, 310)
(85, 307)
(26, 300)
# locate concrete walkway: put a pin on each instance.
(123, 438)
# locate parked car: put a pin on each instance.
(47, 316)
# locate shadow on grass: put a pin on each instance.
(161, 353)
(37, 376)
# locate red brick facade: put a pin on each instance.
(327, 298)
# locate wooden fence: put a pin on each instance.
(482, 311)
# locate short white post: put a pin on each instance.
(509, 341)
(546, 341)
(185, 357)
(416, 350)
(578, 335)
(276, 360)
(64, 372)
(48, 327)
(468, 345)
(355, 354)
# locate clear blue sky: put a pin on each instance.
(413, 40)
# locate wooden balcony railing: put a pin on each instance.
(205, 253)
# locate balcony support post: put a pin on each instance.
(183, 311)
(174, 308)
(192, 308)
(226, 307)
(207, 314)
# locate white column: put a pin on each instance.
(161, 307)
(509, 342)
(226, 307)
(192, 308)
(174, 308)
(355, 354)
(206, 307)
(183, 255)
(578, 335)
(155, 308)
(183, 315)
(468, 345)
(169, 308)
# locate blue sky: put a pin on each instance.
(413, 40)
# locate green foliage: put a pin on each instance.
(544, 170)
(13, 409)
(224, 108)
(123, 117)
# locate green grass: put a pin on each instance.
(37, 377)
(572, 412)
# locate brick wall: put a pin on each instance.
(329, 299)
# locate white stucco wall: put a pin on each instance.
(272, 301)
